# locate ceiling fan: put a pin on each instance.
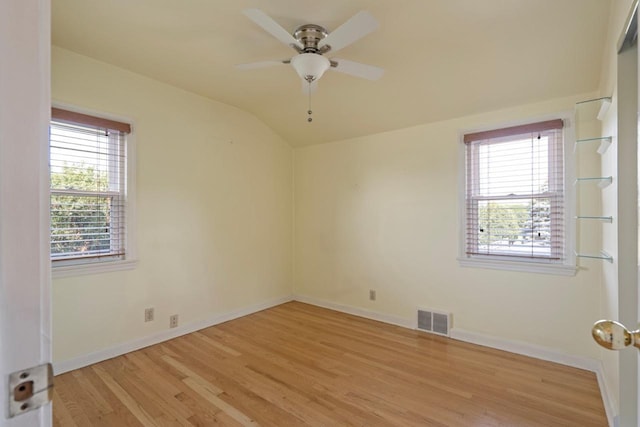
(312, 42)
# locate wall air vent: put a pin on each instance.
(435, 322)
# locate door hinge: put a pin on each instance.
(30, 389)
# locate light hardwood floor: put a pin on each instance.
(297, 364)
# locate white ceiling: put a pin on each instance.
(443, 58)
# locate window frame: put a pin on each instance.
(564, 267)
(103, 264)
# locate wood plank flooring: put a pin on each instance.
(298, 364)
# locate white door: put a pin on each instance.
(24, 212)
(610, 334)
(637, 314)
(628, 210)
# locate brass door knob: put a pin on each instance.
(614, 336)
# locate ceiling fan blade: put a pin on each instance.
(271, 26)
(360, 24)
(260, 64)
(305, 86)
(357, 69)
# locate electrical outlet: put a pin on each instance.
(173, 321)
(148, 314)
(372, 295)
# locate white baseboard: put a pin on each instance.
(526, 349)
(158, 337)
(360, 312)
(607, 397)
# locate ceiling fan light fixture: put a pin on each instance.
(310, 66)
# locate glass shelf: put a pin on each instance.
(598, 218)
(594, 108)
(603, 255)
(601, 181)
(605, 143)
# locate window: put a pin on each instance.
(88, 189)
(514, 194)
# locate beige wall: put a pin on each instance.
(381, 212)
(214, 211)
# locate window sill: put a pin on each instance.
(526, 267)
(93, 268)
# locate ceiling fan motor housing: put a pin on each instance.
(309, 36)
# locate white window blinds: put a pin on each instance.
(87, 165)
(515, 192)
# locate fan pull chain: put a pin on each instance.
(309, 112)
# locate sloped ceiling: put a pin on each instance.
(443, 58)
